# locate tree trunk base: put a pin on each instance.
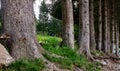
(87, 53)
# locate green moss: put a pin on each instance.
(25, 65)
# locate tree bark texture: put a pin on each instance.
(19, 24)
(105, 28)
(113, 30)
(68, 23)
(100, 26)
(85, 37)
(92, 29)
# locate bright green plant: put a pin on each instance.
(49, 40)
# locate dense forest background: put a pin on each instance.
(69, 35)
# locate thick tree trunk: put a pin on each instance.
(100, 26)
(85, 37)
(68, 25)
(92, 29)
(19, 24)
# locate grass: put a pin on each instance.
(49, 40)
(25, 65)
(69, 58)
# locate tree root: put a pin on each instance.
(50, 66)
(107, 56)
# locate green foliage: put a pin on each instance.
(43, 18)
(68, 58)
(43, 7)
(25, 65)
(46, 23)
(64, 63)
(54, 27)
(56, 10)
(49, 40)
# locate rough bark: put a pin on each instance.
(68, 25)
(92, 29)
(100, 26)
(85, 37)
(18, 22)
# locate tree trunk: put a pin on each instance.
(108, 29)
(19, 24)
(100, 26)
(92, 29)
(117, 29)
(105, 28)
(117, 38)
(85, 37)
(113, 30)
(68, 25)
(80, 24)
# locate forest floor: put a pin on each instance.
(109, 62)
(111, 65)
(62, 58)
(75, 62)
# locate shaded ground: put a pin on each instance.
(111, 65)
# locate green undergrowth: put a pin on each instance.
(49, 40)
(25, 65)
(66, 57)
(62, 56)
(69, 58)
